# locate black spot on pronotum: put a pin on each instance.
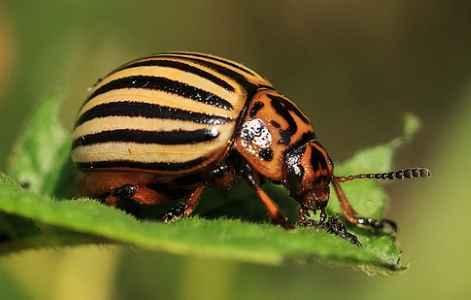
(266, 154)
(282, 108)
(302, 141)
(257, 106)
(275, 124)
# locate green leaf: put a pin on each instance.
(263, 243)
(41, 158)
(42, 151)
(12, 226)
(368, 197)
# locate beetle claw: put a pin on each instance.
(170, 217)
(307, 223)
(331, 225)
(335, 226)
(377, 224)
(174, 214)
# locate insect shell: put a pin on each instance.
(165, 127)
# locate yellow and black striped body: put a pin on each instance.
(170, 114)
(166, 126)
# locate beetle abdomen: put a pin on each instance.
(171, 113)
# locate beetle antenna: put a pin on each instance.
(398, 174)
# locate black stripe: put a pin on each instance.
(162, 166)
(180, 66)
(255, 108)
(147, 110)
(283, 107)
(227, 62)
(290, 106)
(165, 85)
(238, 77)
(173, 137)
(303, 140)
(282, 110)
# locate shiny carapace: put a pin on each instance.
(164, 127)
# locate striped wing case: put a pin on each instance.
(172, 113)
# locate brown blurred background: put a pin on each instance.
(355, 67)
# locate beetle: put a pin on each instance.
(165, 127)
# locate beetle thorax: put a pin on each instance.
(272, 126)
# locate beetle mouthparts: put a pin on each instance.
(316, 199)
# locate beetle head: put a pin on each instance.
(309, 173)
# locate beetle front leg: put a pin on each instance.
(272, 208)
(335, 226)
(330, 224)
(274, 212)
(352, 216)
(185, 210)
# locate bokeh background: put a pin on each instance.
(355, 67)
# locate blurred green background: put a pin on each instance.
(355, 67)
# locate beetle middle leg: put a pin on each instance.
(352, 216)
(139, 193)
(189, 205)
(273, 210)
(116, 188)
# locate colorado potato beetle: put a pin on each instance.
(164, 127)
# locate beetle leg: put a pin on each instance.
(274, 212)
(352, 216)
(272, 208)
(222, 177)
(139, 193)
(187, 209)
(336, 227)
(329, 224)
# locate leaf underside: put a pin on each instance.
(37, 211)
